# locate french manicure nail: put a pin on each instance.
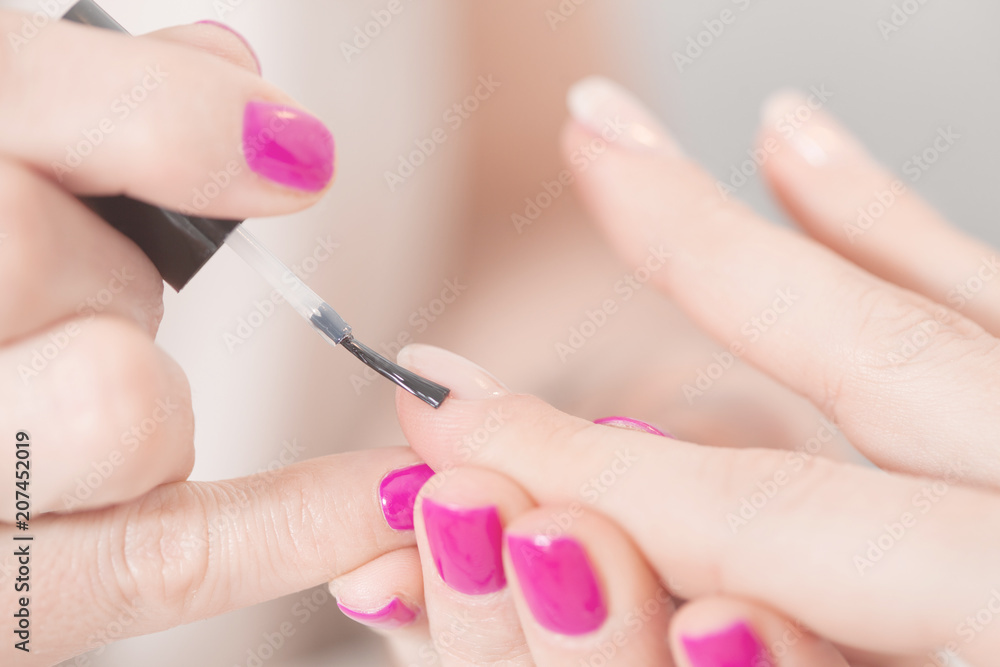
(608, 110)
(558, 583)
(735, 646)
(398, 494)
(243, 39)
(465, 546)
(396, 614)
(466, 379)
(288, 146)
(632, 425)
(800, 121)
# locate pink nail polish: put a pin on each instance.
(288, 146)
(632, 425)
(242, 39)
(736, 646)
(396, 614)
(465, 546)
(558, 583)
(398, 494)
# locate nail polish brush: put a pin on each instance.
(179, 245)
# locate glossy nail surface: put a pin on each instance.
(558, 583)
(735, 646)
(799, 120)
(243, 39)
(288, 146)
(465, 546)
(632, 425)
(396, 614)
(398, 494)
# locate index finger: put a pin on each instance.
(910, 382)
(108, 114)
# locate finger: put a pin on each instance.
(189, 551)
(859, 348)
(584, 594)
(784, 528)
(387, 595)
(58, 260)
(109, 411)
(215, 38)
(160, 122)
(725, 631)
(459, 522)
(844, 198)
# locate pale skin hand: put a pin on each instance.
(144, 551)
(882, 553)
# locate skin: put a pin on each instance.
(116, 367)
(904, 543)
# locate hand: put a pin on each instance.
(121, 545)
(866, 333)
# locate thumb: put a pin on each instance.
(783, 528)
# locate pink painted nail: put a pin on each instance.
(632, 425)
(398, 494)
(242, 39)
(558, 583)
(288, 146)
(396, 614)
(736, 646)
(465, 546)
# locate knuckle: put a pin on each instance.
(165, 551)
(894, 338)
(126, 381)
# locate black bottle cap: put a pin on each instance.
(178, 245)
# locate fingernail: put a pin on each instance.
(396, 614)
(631, 425)
(800, 121)
(465, 546)
(610, 111)
(398, 494)
(736, 646)
(466, 379)
(288, 146)
(558, 583)
(242, 39)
